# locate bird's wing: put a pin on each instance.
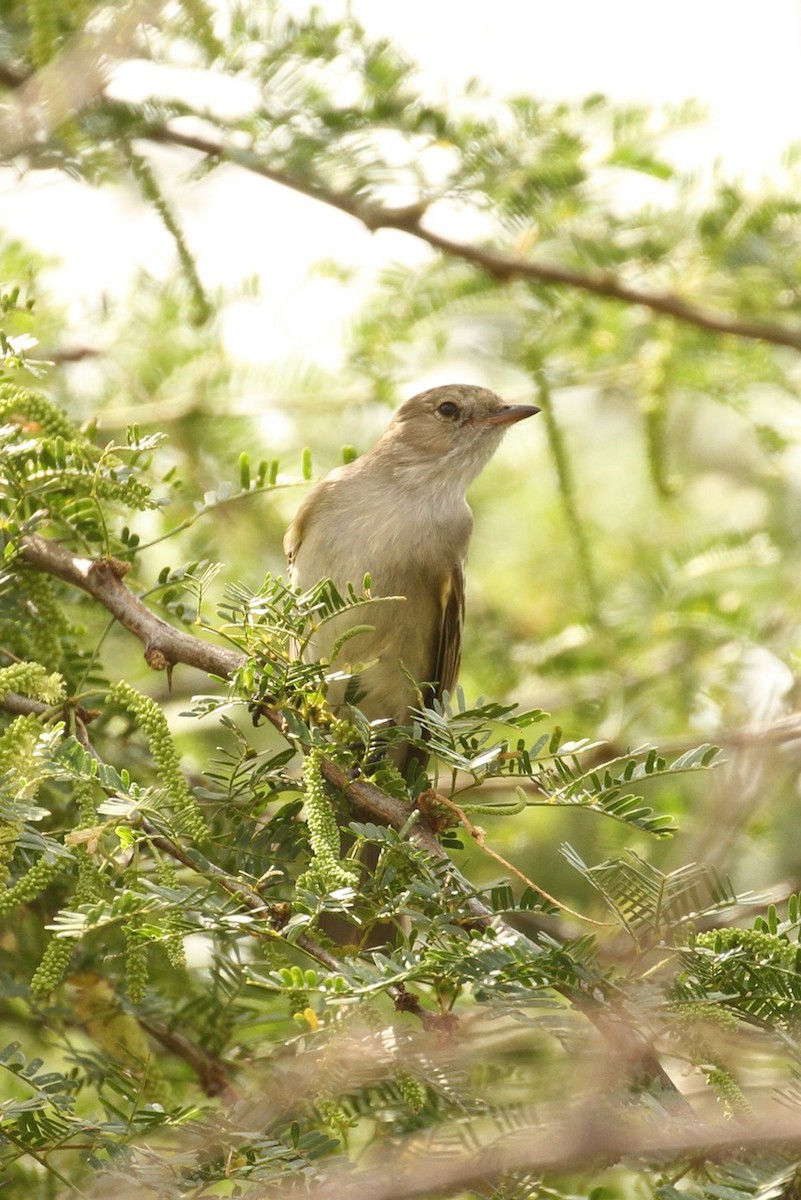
(447, 653)
(449, 645)
(292, 540)
(306, 518)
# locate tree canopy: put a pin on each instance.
(573, 968)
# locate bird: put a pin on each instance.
(399, 515)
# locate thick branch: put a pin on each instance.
(586, 1140)
(563, 1140)
(496, 263)
(102, 579)
(23, 706)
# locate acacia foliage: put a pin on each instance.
(167, 959)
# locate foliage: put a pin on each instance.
(203, 988)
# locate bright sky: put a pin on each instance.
(741, 58)
(741, 55)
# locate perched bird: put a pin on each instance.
(399, 514)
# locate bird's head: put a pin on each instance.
(452, 430)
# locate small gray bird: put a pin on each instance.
(399, 513)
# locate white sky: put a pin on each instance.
(741, 57)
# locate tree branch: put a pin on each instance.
(14, 130)
(11, 76)
(166, 646)
(562, 1139)
(495, 262)
(588, 1139)
(212, 1073)
(24, 706)
(102, 579)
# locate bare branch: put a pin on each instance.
(41, 103)
(102, 579)
(212, 1073)
(23, 706)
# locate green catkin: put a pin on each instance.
(333, 1114)
(689, 1016)
(17, 746)
(31, 884)
(153, 724)
(18, 776)
(412, 1091)
(36, 409)
(174, 946)
(130, 491)
(60, 459)
(137, 972)
(756, 942)
(176, 953)
(52, 967)
(693, 1023)
(323, 829)
(152, 193)
(37, 625)
(58, 952)
(31, 679)
(728, 1092)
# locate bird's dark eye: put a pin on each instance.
(448, 409)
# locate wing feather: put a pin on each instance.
(449, 643)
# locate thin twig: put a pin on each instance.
(480, 839)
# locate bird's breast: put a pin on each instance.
(414, 537)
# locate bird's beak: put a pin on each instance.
(511, 413)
